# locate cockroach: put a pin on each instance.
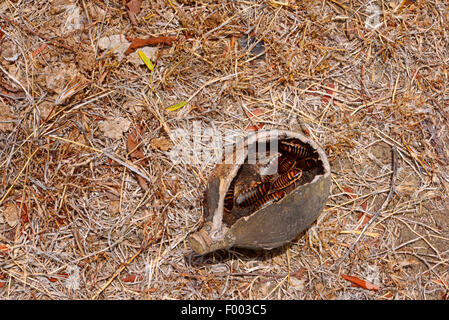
(251, 195)
(295, 149)
(287, 179)
(286, 164)
(229, 198)
(268, 199)
(307, 163)
(267, 178)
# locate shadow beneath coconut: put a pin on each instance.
(242, 254)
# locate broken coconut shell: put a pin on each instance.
(269, 226)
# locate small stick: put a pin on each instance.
(117, 272)
(382, 208)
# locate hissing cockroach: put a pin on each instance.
(307, 163)
(287, 179)
(229, 198)
(286, 164)
(267, 178)
(268, 199)
(298, 150)
(248, 197)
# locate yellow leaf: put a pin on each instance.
(149, 64)
(145, 59)
(177, 106)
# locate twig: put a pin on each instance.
(382, 208)
(117, 272)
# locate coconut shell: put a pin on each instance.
(273, 225)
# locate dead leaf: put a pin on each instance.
(6, 116)
(133, 278)
(133, 8)
(132, 144)
(11, 214)
(137, 43)
(360, 283)
(349, 192)
(59, 276)
(161, 144)
(4, 249)
(114, 207)
(116, 44)
(255, 127)
(254, 113)
(114, 127)
(136, 153)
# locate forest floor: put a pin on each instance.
(94, 206)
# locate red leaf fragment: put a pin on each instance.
(360, 283)
(133, 278)
(59, 277)
(325, 98)
(364, 218)
(39, 50)
(23, 212)
(255, 127)
(4, 250)
(349, 192)
(137, 43)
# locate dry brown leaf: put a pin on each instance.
(132, 143)
(11, 214)
(137, 43)
(6, 115)
(114, 207)
(161, 143)
(360, 283)
(114, 127)
(133, 8)
(116, 44)
(136, 153)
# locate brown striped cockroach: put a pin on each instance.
(287, 179)
(267, 178)
(286, 164)
(298, 150)
(229, 198)
(268, 199)
(251, 195)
